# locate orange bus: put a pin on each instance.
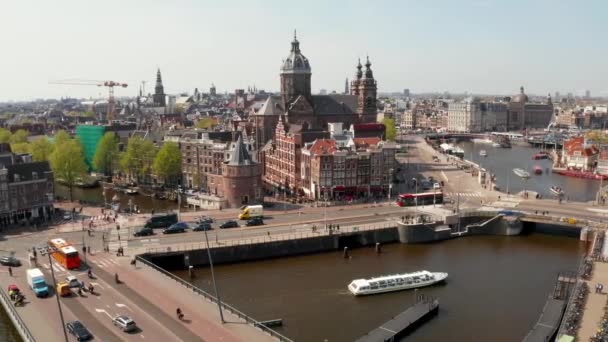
(65, 253)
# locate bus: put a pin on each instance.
(423, 198)
(64, 253)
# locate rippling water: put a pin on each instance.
(496, 290)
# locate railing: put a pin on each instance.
(211, 298)
(320, 231)
(25, 333)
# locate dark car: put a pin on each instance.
(144, 232)
(204, 219)
(10, 260)
(179, 227)
(256, 221)
(202, 227)
(161, 221)
(78, 330)
(229, 224)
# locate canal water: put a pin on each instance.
(94, 196)
(8, 333)
(502, 161)
(496, 289)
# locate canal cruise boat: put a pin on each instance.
(396, 282)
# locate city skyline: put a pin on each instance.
(474, 46)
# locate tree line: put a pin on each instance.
(140, 159)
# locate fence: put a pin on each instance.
(25, 333)
(211, 298)
(273, 238)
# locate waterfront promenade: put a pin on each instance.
(596, 302)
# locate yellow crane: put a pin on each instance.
(109, 84)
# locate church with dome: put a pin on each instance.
(300, 110)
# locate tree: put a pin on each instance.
(20, 147)
(68, 163)
(41, 149)
(105, 156)
(391, 131)
(598, 137)
(168, 161)
(138, 158)
(5, 135)
(206, 123)
(20, 136)
(60, 137)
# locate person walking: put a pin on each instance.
(10, 271)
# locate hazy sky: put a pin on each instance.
(481, 46)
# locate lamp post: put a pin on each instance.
(390, 183)
(217, 293)
(48, 251)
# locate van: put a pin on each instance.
(161, 221)
(35, 279)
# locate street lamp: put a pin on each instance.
(217, 293)
(390, 183)
(48, 252)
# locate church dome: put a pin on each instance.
(521, 97)
(295, 62)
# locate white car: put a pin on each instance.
(436, 186)
(72, 282)
(125, 323)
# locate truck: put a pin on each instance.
(35, 279)
(250, 211)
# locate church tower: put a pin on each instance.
(366, 97)
(354, 84)
(159, 91)
(295, 75)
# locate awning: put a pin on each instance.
(339, 188)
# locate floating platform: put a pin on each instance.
(405, 322)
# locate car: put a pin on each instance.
(72, 282)
(256, 221)
(78, 330)
(67, 216)
(125, 323)
(161, 221)
(436, 186)
(204, 219)
(179, 227)
(144, 231)
(10, 260)
(202, 227)
(229, 224)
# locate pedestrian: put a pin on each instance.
(103, 237)
(34, 252)
(10, 271)
(118, 237)
(84, 249)
(89, 249)
(117, 227)
(268, 233)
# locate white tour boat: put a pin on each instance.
(396, 282)
(521, 173)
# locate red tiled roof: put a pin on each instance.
(323, 146)
(576, 142)
(585, 152)
(372, 141)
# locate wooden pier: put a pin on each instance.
(405, 322)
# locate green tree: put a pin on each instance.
(20, 147)
(105, 156)
(597, 136)
(20, 136)
(41, 149)
(68, 163)
(205, 123)
(391, 131)
(5, 135)
(60, 137)
(168, 162)
(137, 160)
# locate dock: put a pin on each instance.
(405, 322)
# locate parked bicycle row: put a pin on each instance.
(587, 269)
(573, 317)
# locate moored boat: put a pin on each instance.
(556, 190)
(582, 174)
(521, 173)
(131, 191)
(396, 282)
(483, 153)
(538, 170)
(540, 155)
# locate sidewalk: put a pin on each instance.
(594, 308)
(153, 292)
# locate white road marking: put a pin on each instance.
(104, 311)
(123, 306)
(603, 211)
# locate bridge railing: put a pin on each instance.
(21, 327)
(213, 299)
(308, 234)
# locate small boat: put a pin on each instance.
(582, 174)
(556, 190)
(396, 282)
(540, 155)
(538, 170)
(482, 141)
(496, 144)
(483, 153)
(521, 173)
(457, 151)
(131, 191)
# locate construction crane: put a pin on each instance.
(109, 84)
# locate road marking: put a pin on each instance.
(123, 306)
(96, 285)
(104, 311)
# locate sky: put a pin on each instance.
(478, 46)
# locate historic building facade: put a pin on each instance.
(159, 91)
(522, 113)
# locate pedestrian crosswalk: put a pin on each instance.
(463, 194)
(104, 261)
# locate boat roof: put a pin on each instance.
(364, 282)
